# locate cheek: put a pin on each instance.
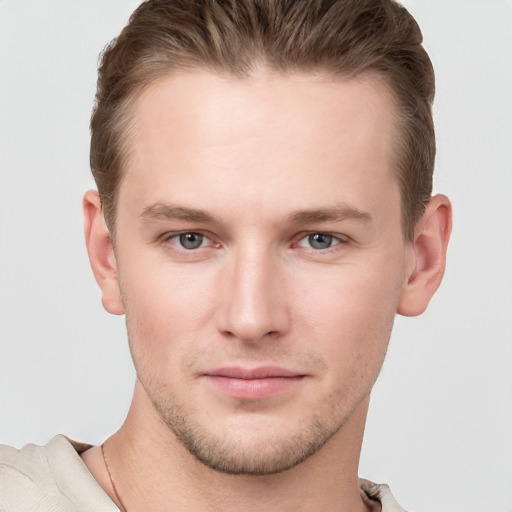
(165, 310)
(351, 311)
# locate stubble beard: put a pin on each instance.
(236, 454)
(265, 452)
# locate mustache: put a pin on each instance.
(216, 357)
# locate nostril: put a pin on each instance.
(250, 337)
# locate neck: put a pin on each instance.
(152, 470)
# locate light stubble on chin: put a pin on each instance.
(227, 455)
(261, 451)
(229, 452)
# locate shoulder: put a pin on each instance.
(47, 478)
(380, 493)
(26, 478)
(29, 465)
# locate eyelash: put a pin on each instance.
(337, 240)
(340, 240)
(168, 237)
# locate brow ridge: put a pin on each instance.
(336, 213)
(173, 212)
(332, 214)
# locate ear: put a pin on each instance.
(428, 257)
(101, 253)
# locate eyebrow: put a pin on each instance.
(173, 212)
(335, 214)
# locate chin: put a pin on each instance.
(253, 445)
(267, 456)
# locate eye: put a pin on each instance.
(189, 241)
(319, 241)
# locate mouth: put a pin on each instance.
(252, 383)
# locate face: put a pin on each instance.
(260, 259)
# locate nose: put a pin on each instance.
(252, 297)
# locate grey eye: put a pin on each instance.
(191, 240)
(320, 241)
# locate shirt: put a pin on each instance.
(53, 478)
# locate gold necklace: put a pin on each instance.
(112, 480)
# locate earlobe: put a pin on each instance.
(101, 253)
(428, 257)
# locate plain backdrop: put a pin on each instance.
(440, 426)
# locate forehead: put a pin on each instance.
(209, 106)
(302, 135)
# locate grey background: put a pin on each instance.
(440, 426)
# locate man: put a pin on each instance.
(264, 209)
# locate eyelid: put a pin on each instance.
(170, 235)
(338, 237)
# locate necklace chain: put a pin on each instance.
(112, 480)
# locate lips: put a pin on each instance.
(264, 372)
(252, 383)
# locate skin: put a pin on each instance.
(255, 168)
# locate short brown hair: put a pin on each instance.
(343, 37)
